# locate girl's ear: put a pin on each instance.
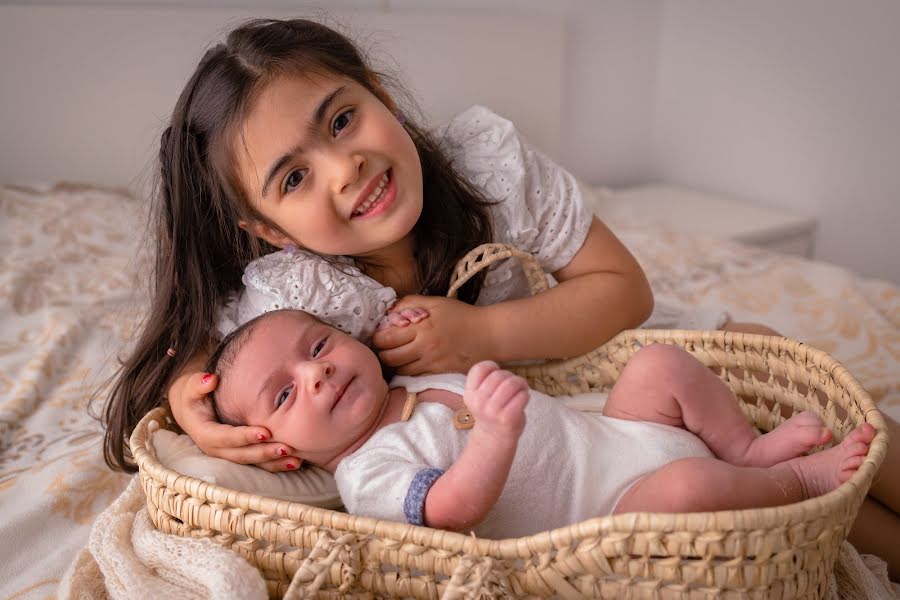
(265, 232)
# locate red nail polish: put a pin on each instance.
(206, 377)
(289, 466)
(282, 452)
(261, 437)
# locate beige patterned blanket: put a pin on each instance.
(69, 300)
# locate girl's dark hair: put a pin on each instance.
(201, 252)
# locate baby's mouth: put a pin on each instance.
(340, 394)
(375, 197)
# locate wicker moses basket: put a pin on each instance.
(782, 552)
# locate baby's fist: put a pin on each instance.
(496, 398)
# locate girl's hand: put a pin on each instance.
(497, 399)
(447, 341)
(401, 318)
(193, 411)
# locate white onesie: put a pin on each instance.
(539, 208)
(569, 465)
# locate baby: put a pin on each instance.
(671, 437)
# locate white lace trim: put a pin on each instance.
(336, 292)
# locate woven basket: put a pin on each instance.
(781, 552)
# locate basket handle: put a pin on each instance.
(487, 254)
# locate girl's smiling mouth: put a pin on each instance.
(376, 197)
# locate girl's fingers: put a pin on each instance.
(414, 315)
(255, 454)
(219, 435)
(289, 463)
(393, 337)
(205, 383)
(399, 356)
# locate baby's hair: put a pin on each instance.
(200, 250)
(221, 360)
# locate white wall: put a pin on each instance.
(794, 104)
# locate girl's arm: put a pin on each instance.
(193, 411)
(461, 498)
(602, 291)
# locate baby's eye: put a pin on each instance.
(320, 345)
(283, 395)
(341, 121)
(293, 180)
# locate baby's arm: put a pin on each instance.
(462, 497)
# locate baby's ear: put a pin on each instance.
(266, 233)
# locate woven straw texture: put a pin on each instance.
(780, 552)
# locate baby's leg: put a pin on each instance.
(708, 484)
(665, 384)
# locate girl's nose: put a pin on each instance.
(316, 373)
(347, 170)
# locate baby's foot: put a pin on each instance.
(795, 437)
(823, 471)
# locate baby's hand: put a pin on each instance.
(193, 411)
(402, 318)
(496, 398)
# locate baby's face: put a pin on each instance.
(314, 387)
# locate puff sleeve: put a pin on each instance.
(540, 207)
(333, 290)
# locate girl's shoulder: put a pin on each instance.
(479, 128)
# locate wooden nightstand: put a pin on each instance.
(690, 211)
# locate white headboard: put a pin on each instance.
(86, 90)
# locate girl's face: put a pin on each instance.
(325, 160)
(314, 387)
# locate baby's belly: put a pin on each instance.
(557, 482)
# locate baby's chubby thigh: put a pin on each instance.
(684, 485)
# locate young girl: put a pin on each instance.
(671, 438)
(289, 177)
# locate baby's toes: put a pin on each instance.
(864, 433)
(857, 449)
(848, 466)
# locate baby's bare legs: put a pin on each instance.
(708, 484)
(665, 384)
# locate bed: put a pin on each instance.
(72, 249)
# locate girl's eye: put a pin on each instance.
(294, 179)
(283, 395)
(341, 121)
(317, 349)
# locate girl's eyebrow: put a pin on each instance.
(317, 119)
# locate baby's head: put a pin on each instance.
(314, 387)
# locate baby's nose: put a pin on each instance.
(319, 372)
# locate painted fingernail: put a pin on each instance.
(206, 377)
(290, 466)
(282, 452)
(261, 437)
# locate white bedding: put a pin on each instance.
(69, 302)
